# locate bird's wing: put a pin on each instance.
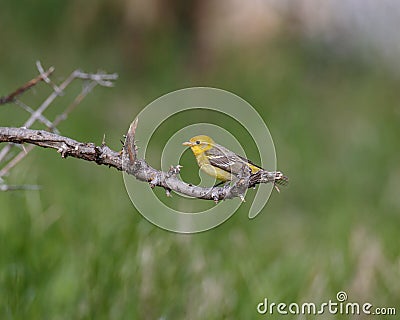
(222, 162)
(221, 157)
(250, 162)
(225, 159)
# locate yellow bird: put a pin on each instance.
(218, 161)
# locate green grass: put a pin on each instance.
(77, 249)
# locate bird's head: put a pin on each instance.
(199, 144)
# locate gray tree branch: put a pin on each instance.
(67, 147)
(127, 161)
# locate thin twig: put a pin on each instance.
(12, 96)
(85, 91)
(41, 118)
(101, 78)
(15, 160)
(46, 78)
(93, 80)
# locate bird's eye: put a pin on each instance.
(197, 142)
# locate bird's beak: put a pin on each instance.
(187, 143)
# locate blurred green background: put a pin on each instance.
(77, 249)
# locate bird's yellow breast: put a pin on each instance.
(209, 169)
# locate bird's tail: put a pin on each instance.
(264, 176)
